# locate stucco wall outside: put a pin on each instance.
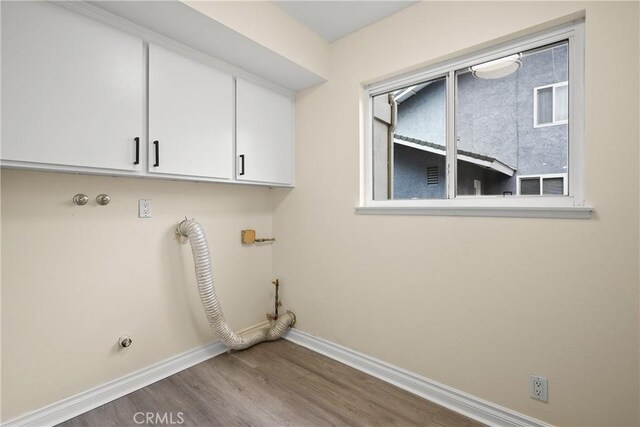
(410, 180)
(423, 116)
(494, 118)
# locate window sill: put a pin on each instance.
(563, 212)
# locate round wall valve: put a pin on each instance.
(125, 341)
(80, 199)
(103, 199)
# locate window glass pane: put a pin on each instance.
(496, 138)
(545, 105)
(561, 109)
(552, 186)
(530, 186)
(409, 142)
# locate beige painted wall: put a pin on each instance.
(267, 24)
(74, 278)
(478, 304)
(423, 293)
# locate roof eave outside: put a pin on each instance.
(493, 164)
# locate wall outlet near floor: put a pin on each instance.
(538, 388)
(144, 208)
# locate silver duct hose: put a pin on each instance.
(204, 276)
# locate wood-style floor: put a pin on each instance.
(272, 384)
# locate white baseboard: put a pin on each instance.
(458, 401)
(466, 404)
(80, 403)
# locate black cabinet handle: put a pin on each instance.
(157, 163)
(241, 164)
(137, 140)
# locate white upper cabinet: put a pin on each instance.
(72, 89)
(79, 95)
(264, 134)
(190, 117)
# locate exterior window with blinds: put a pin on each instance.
(544, 185)
(551, 105)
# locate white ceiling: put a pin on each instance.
(335, 19)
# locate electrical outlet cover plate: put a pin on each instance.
(144, 208)
(538, 388)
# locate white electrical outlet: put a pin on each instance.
(144, 208)
(538, 388)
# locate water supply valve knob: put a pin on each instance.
(80, 199)
(103, 199)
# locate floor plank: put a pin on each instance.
(273, 384)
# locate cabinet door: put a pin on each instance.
(264, 134)
(72, 89)
(190, 117)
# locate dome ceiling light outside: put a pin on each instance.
(497, 68)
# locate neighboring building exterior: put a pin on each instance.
(499, 140)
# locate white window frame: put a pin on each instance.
(541, 177)
(571, 206)
(553, 122)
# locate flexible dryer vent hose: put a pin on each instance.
(204, 276)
